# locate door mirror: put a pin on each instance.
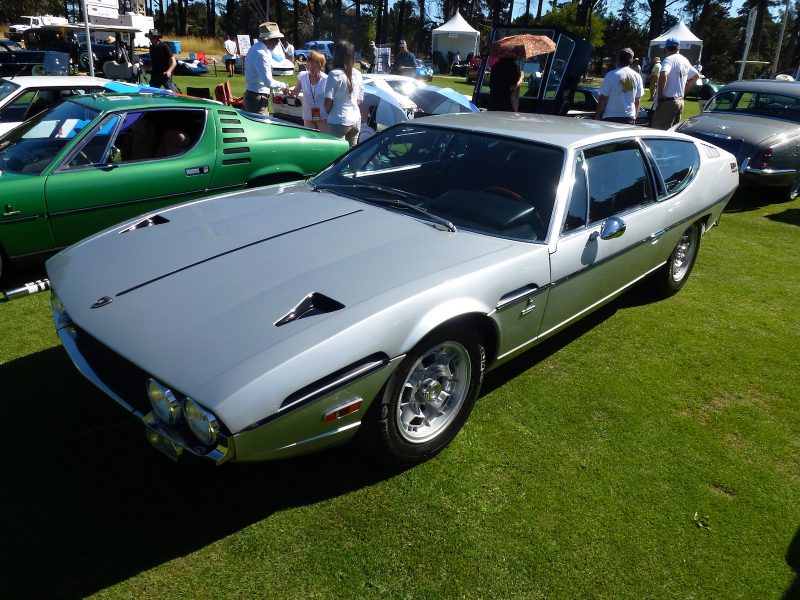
(613, 227)
(115, 156)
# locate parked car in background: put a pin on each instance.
(757, 120)
(22, 98)
(71, 41)
(370, 300)
(424, 71)
(16, 60)
(583, 105)
(704, 88)
(325, 47)
(92, 161)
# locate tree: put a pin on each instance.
(567, 17)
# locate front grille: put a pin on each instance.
(732, 145)
(126, 380)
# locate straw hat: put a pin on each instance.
(269, 31)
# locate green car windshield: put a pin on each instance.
(30, 148)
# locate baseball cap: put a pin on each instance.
(672, 43)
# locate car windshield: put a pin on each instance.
(7, 88)
(492, 185)
(761, 104)
(32, 146)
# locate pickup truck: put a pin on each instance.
(28, 22)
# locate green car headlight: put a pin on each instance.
(204, 425)
(165, 405)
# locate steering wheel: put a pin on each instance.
(501, 191)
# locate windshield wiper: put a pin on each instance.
(397, 202)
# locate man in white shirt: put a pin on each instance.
(620, 92)
(231, 52)
(676, 77)
(258, 69)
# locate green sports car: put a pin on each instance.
(96, 160)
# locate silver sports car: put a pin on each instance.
(370, 299)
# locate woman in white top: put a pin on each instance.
(343, 93)
(312, 83)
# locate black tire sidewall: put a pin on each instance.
(395, 448)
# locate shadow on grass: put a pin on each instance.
(793, 560)
(88, 503)
(748, 198)
(791, 216)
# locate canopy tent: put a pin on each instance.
(691, 45)
(455, 36)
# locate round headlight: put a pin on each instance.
(165, 405)
(202, 423)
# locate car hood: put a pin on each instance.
(753, 130)
(197, 294)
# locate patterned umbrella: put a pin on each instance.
(522, 46)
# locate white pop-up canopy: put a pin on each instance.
(455, 36)
(691, 45)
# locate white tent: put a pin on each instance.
(455, 36)
(691, 45)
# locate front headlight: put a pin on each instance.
(166, 406)
(202, 423)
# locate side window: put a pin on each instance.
(677, 161)
(576, 211)
(618, 179)
(15, 111)
(94, 151)
(147, 135)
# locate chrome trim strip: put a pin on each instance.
(322, 435)
(749, 169)
(346, 378)
(518, 295)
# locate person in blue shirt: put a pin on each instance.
(405, 63)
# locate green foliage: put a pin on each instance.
(566, 17)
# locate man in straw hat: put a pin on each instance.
(162, 62)
(258, 70)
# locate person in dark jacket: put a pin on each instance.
(162, 62)
(504, 81)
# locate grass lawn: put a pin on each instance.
(651, 451)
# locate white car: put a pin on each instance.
(24, 97)
(397, 86)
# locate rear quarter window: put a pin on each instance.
(677, 161)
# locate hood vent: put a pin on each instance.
(148, 222)
(313, 304)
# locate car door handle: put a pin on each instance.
(197, 170)
(10, 212)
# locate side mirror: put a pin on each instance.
(612, 227)
(115, 156)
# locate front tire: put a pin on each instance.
(670, 278)
(38, 70)
(429, 397)
(794, 189)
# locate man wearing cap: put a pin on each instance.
(620, 92)
(162, 62)
(677, 75)
(655, 71)
(258, 70)
(405, 63)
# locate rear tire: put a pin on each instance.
(671, 277)
(38, 70)
(794, 189)
(429, 397)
